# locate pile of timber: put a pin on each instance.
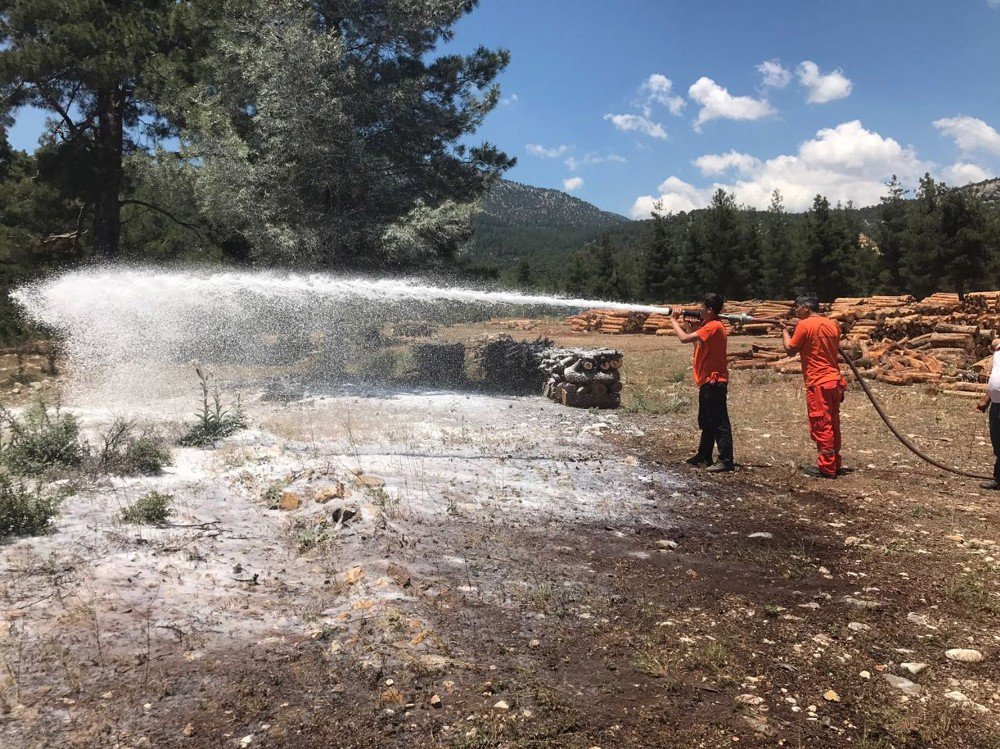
(511, 366)
(583, 378)
(613, 321)
(934, 358)
(438, 364)
(955, 334)
(519, 324)
(938, 303)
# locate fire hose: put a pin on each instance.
(744, 319)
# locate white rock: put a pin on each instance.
(857, 627)
(761, 534)
(502, 705)
(913, 668)
(903, 684)
(964, 655)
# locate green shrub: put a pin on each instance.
(150, 509)
(40, 440)
(214, 420)
(126, 454)
(377, 366)
(24, 511)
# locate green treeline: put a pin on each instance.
(940, 239)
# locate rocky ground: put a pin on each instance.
(367, 569)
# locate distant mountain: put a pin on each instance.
(988, 190)
(536, 224)
(514, 204)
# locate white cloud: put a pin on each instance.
(823, 87)
(509, 100)
(637, 123)
(675, 195)
(717, 103)
(592, 158)
(963, 173)
(718, 163)
(845, 163)
(775, 74)
(658, 89)
(993, 3)
(970, 133)
(572, 183)
(543, 152)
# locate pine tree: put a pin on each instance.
(963, 230)
(827, 252)
(921, 258)
(893, 215)
(97, 67)
(659, 259)
(777, 279)
(327, 128)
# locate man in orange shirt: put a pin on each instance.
(817, 342)
(712, 376)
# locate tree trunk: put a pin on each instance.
(109, 147)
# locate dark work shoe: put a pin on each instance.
(816, 473)
(991, 485)
(698, 461)
(722, 468)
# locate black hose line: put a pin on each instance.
(901, 437)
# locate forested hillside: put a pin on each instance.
(936, 238)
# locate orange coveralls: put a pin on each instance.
(817, 339)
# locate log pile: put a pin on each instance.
(937, 335)
(518, 324)
(583, 378)
(438, 364)
(617, 322)
(511, 366)
(613, 321)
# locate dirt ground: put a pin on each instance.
(759, 608)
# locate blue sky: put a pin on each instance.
(865, 83)
(626, 102)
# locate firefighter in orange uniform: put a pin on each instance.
(817, 341)
(711, 374)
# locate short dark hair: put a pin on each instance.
(807, 300)
(714, 302)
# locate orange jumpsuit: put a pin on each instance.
(817, 339)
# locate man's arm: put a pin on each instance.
(682, 335)
(786, 339)
(984, 403)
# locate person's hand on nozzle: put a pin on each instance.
(675, 312)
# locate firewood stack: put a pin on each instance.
(511, 366)
(939, 303)
(615, 322)
(583, 378)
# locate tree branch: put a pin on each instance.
(166, 213)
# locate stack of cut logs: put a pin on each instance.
(511, 366)
(617, 322)
(611, 321)
(583, 378)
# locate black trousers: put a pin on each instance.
(995, 438)
(713, 420)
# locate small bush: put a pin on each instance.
(377, 366)
(40, 440)
(24, 511)
(214, 420)
(150, 509)
(125, 454)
